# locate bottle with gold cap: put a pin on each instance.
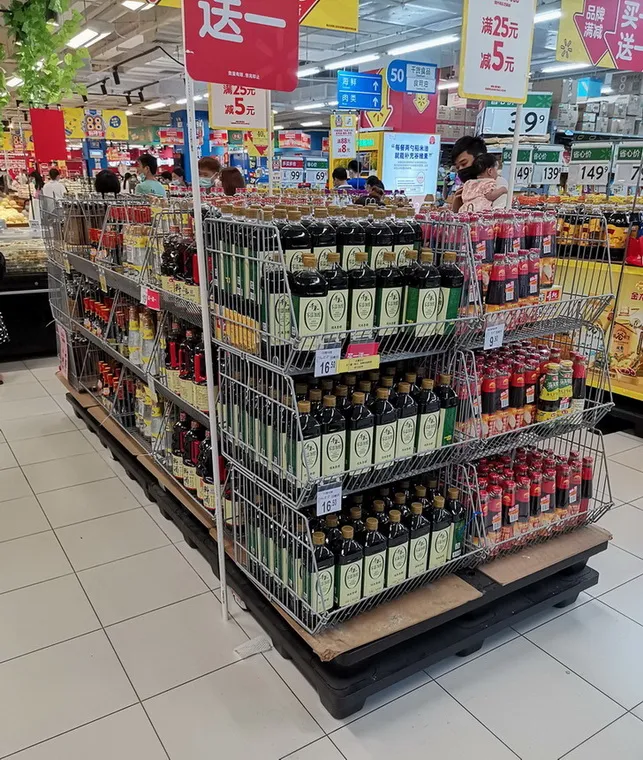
(390, 295)
(348, 570)
(374, 543)
(448, 410)
(360, 423)
(404, 236)
(323, 237)
(305, 459)
(423, 297)
(420, 536)
(362, 285)
(295, 241)
(451, 285)
(441, 534)
(428, 427)
(337, 302)
(351, 238)
(398, 549)
(310, 294)
(333, 437)
(407, 412)
(458, 513)
(379, 239)
(319, 584)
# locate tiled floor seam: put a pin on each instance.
(580, 744)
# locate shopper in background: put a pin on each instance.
(37, 181)
(54, 189)
(178, 177)
(232, 180)
(128, 182)
(483, 193)
(354, 173)
(209, 172)
(464, 153)
(340, 179)
(375, 193)
(107, 182)
(148, 184)
(165, 178)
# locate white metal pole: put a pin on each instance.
(514, 155)
(207, 332)
(271, 142)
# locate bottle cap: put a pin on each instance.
(412, 255)
(387, 382)
(427, 384)
(315, 394)
(303, 407)
(351, 379)
(348, 532)
(395, 516)
(280, 213)
(321, 213)
(404, 388)
(301, 389)
(365, 386)
(319, 538)
(331, 521)
(293, 215)
(389, 256)
(361, 257)
(450, 257)
(333, 258)
(330, 401)
(411, 377)
(445, 379)
(420, 492)
(309, 260)
(380, 213)
(358, 398)
(454, 493)
(378, 505)
(252, 213)
(341, 391)
(438, 502)
(426, 257)
(382, 393)
(356, 513)
(350, 212)
(416, 508)
(400, 498)
(371, 523)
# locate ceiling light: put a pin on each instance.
(85, 99)
(310, 107)
(14, 82)
(278, 126)
(607, 90)
(424, 44)
(103, 88)
(128, 97)
(155, 106)
(311, 123)
(565, 67)
(141, 97)
(181, 101)
(309, 72)
(274, 112)
(133, 5)
(541, 18)
(129, 113)
(449, 85)
(351, 62)
(117, 78)
(332, 103)
(197, 98)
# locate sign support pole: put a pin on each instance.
(207, 335)
(271, 141)
(514, 156)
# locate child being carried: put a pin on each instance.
(480, 194)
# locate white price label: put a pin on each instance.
(546, 175)
(588, 174)
(102, 280)
(329, 500)
(494, 337)
(326, 361)
(143, 295)
(524, 174)
(628, 174)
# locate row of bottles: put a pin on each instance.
(176, 263)
(189, 459)
(184, 370)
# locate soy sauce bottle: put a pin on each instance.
(406, 424)
(404, 236)
(351, 239)
(379, 239)
(319, 586)
(375, 546)
(385, 427)
(428, 426)
(390, 295)
(305, 459)
(458, 513)
(337, 301)
(348, 570)
(323, 238)
(380, 514)
(310, 294)
(448, 410)
(451, 284)
(360, 422)
(398, 550)
(295, 242)
(333, 437)
(420, 536)
(333, 532)
(441, 534)
(362, 283)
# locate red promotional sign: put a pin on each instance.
(626, 42)
(251, 42)
(219, 137)
(48, 128)
(171, 136)
(299, 140)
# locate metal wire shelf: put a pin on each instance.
(272, 544)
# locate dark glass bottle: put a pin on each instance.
(428, 428)
(305, 459)
(191, 447)
(186, 364)
(423, 298)
(356, 521)
(337, 303)
(309, 294)
(451, 284)
(343, 400)
(441, 534)
(360, 423)
(323, 237)
(420, 537)
(400, 500)
(295, 242)
(362, 286)
(379, 513)
(404, 236)
(172, 360)
(348, 570)
(448, 410)
(375, 545)
(379, 239)
(179, 431)
(204, 470)
(397, 537)
(351, 238)
(333, 532)
(319, 587)
(333, 438)
(385, 427)
(406, 424)
(389, 298)
(200, 380)
(458, 513)
(315, 398)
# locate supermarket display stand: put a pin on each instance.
(369, 653)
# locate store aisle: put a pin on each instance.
(112, 645)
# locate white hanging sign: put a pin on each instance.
(236, 106)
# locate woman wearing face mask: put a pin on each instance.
(209, 172)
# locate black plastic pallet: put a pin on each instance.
(346, 682)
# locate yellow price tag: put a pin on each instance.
(102, 281)
(66, 263)
(358, 364)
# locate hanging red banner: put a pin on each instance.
(251, 42)
(48, 127)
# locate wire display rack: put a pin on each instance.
(273, 545)
(587, 507)
(254, 307)
(261, 431)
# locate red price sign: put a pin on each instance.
(243, 42)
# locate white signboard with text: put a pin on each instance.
(411, 163)
(497, 38)
(236, 106)
(343, 135)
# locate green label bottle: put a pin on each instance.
(406, 424)
(390, 294)
(307, 459)
(441, 534)
(398, 550)
(420, 533)
(385, 427)
(348, 570)
(319, 589)
(374, 574)
(360, 424)
(448, 410)
(428, 428)
(362, 285)
(458, 513)
(333, 440)
(451, 284)
(295, 241)
(423, 297)
(351, 238)
(379, 239)
(337, 300)
(310, 297)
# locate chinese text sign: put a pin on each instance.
(497, 37)
(238, 106)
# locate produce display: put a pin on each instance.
(12, 211)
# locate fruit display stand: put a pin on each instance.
(352, 651)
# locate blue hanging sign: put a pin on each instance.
(359, 92)
(412, 76)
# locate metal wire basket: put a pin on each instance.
(273, 545)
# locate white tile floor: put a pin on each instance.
(112, 645)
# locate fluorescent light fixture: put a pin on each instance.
(310, 107)
(86, 38)
(206, 96)
(351, 61)
(607, 90)
(332, 103)
(541, 18)
(424, 44)
(14, 82)
(181, 101)
(155, 106)
(449, 85)
(309, 72)
(311, 123)
(278, 126)
(565, 67)
(197, 98)
(133, 5)
(275, 112)
(129, 113)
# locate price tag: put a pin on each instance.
(628, 174)
(524, 174)
(546, 175)
(494, 337)
(102, 281)
(143, 295)
(329, 499)
(588, 174)
(326, 361)
(66, 263)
